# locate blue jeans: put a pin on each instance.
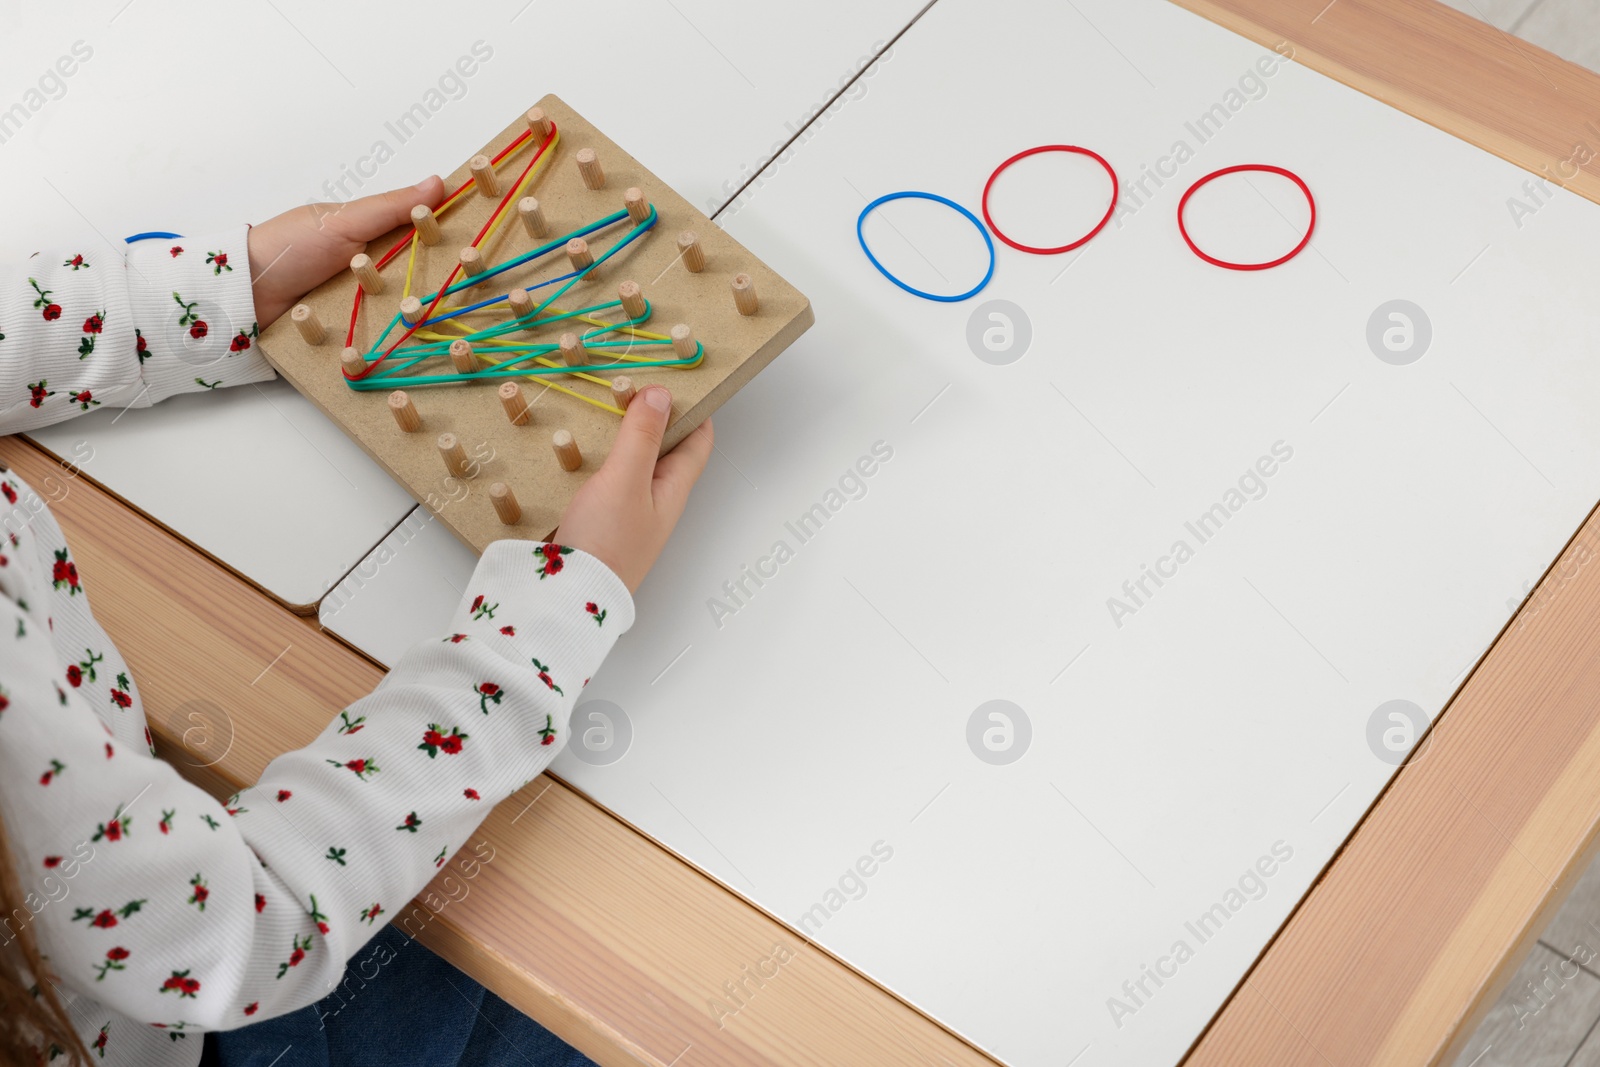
(418, 1012)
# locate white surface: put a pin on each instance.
(192, 116)
(1231, 712)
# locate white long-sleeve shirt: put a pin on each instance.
(161, 912)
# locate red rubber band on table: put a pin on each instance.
(1035, 151)
(1265, 169)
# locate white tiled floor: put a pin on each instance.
(1569, 28)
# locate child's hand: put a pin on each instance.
(299, 250)
(624, 514)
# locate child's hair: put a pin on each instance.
(31, 1015)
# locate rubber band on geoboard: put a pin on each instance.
(1058, 249)
(1265, 169)
(914, 195)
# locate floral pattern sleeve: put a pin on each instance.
(163, 911)
(100, 326)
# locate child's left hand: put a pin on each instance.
(299, 250)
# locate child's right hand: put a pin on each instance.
(625, 513)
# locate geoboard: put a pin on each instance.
(484, 355)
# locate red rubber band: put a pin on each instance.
(1115, 185)
(1265, 169)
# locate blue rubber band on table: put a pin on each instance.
(914, 195)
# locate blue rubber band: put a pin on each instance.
(152, 235)
(913, 195)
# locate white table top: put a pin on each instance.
(1187, 767)
(188, 159)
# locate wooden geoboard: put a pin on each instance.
(736, 345)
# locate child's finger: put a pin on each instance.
(679, 469)
(374, 216)
(639, 440)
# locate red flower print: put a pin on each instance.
(239, 343)
(52, 861)
(508, 631)
(199, 330)
(37, 392)
(105, 920)
(11, 494)
(477, 602)
(347, 725)
(113, 962)
(201, 892)
(50, 309)
(261, 903)
(121, 699)
(218, 261)
(177, 250)
(438, 861)
(56, 767)
(252, 1007)
(433, 741)
(547, 733)
(77, 262)
(480, 610)
(52, 312)
(488, 692)
(182, 984)
(284, 794)
(167, 815)
(594, 610)
(114, 830)
(100, 1042)
(359, 767)
(371, 913)
(300, 945)
(470, 794)
(64, 573)
(85, 400)
(544, 676)
(318, 917)
(141, 347)
(552, 554)
(111, 751)
(411, 823)
(95, 323)
(456, 639)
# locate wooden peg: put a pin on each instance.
(683, 342)
(532, 216)
(484, 178)
(410, 311)
(578, 252)
(353, 363)
(538, 123)
(462, 356)
(520, 301)
(505, 503)
(744, 294)
(567, 453)
(367, 275)
(404, 412)
(622, 391)
(689, 250)
(515, 403)
(305, 320)
(471, 262)
(426, 223)
(572, 350)
(632, 300)
(638, 207)
(594, 176)
(455, 457)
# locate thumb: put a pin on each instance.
(373, 216)
(638, 442)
